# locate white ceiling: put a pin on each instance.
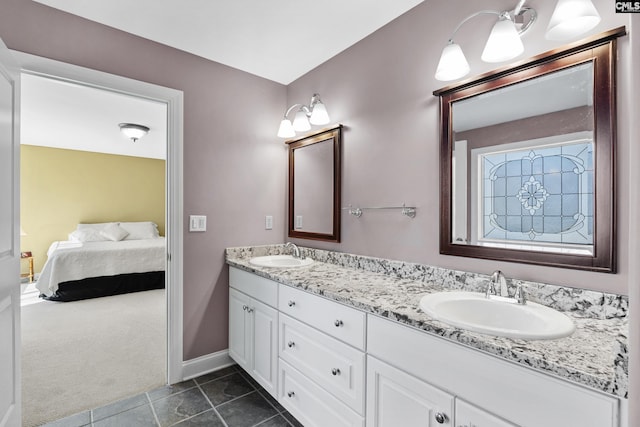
(280, 40)
(65, 115)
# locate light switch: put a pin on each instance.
(268, 222)
(298, 222)
(197, 223)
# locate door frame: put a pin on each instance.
(173, 98)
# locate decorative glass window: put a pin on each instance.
(538, 195)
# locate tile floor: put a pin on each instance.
(225, 398)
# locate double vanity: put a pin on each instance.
(345, 340)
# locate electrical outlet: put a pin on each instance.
(298, 222)
(197, 223)
(268, 222)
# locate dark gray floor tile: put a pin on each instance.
(75, 420)
(217, 374)
(171, 389)
(206, 419)
(246, 411)
(226, 388)
(277, 421)
(178, 407)
(142, 416)
(292, 419)
(271, 400)
(249, 378)
(119, 406)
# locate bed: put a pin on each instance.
(104, 259)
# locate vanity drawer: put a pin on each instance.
(337, 320)
(335, 366)
(264, 290)
(310, 404)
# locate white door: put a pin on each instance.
(395, 398)
(265, 345)
(10, 415)
(468, 415)
(240, 341)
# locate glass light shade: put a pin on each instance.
(286, 129)
(572, 18)
(301, 122)
(133, 131)
(453, 64)
(319, 115)
(504, 42)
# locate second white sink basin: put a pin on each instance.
(282, 261)
(474, 312)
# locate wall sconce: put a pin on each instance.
(570, 18)
(314, 114)
(133, 131)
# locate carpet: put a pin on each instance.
(84, 354)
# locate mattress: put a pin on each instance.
(72, 261)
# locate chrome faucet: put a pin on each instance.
(498, 279)
(295, 250)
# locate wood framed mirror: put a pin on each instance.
(314, 185)
(527, 163)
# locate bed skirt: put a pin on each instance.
(95, 287)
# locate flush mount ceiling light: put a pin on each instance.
(314, 114)
(133, 131)
(570, 19)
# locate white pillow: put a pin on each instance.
(87, 235)
(97, 226)
(140, 230)
(114, 232)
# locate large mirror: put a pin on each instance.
(314, 186)
(527, 160)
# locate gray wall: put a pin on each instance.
(234, 174)
(381, 91)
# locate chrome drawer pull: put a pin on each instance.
(441, 418)
(335, 371)
(291, 394)
(291, 303)
(291, 344)
(338, 323)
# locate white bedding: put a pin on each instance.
(74, 260)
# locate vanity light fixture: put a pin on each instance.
(133, 131)
(570, 18)
(313, 114)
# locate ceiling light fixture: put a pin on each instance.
(133, 131)
(314, 114)
(570, 18)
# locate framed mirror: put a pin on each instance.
(314, 186)
(528, 160)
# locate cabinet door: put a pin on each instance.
(264, 321)
(468, 415)
(240, 329)
(395, 398)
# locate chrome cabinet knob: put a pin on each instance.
(291, 394)
(244, 307)
(338, 323)
(291, 344)
(249, 310)
(440, 418)
(335, 371)
(291, 303)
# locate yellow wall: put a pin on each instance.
(61, 188)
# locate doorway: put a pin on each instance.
(173, 177)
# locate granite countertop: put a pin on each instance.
(595, 355)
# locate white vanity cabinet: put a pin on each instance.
(512, 393)
(253, 326)
(395, 398)
(322, 360)
(468, 415)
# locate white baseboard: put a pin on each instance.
(204, 364)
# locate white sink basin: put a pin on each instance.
(474, 312)
(281, 261)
